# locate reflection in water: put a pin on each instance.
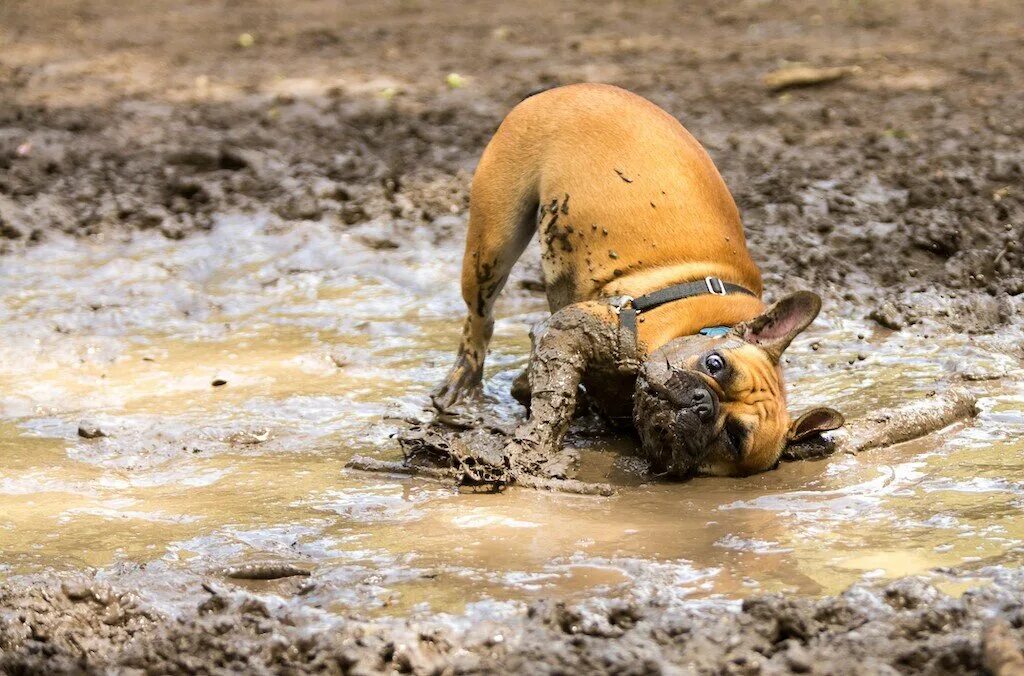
(324, 345)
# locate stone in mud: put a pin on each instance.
(177, 227)
(203, 159)
(90, 430)
(303, 206)
(888, 316)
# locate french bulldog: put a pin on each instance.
(655, 301)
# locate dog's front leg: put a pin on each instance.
(557, 364)
(564, 348)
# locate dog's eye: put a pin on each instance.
(714, 364)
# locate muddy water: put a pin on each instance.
(320, 345)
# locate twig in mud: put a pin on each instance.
(265, 570)
(564, 486)
(904, 423)
(571, 486)
(805, 76)
(364, 464)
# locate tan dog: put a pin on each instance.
(642, 249)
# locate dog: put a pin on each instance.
(655, 300)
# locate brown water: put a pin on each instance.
(193, 477)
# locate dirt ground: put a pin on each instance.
(908, 626)
(897, 188)
(896, 192)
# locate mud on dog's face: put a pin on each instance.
(717, 405)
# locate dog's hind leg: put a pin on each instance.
(502, 219)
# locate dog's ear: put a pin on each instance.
(815, 421)
(774, 330)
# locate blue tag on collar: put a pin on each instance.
(715, 331)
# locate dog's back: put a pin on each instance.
(626, 200)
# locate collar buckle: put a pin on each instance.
(716, 287)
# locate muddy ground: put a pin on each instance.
(906, 627)
(898, 187)
(896, 192)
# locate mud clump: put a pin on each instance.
(61, 627)
(908, 627)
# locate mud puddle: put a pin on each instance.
(233, 373)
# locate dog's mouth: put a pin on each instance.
(676, 418)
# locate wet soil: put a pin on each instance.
(177, 416)
(908, 627)
(897, 187)
(127, 474)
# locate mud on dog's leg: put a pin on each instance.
(558, 361)
(499, 230)
(566, 346)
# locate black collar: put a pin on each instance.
(629, 308)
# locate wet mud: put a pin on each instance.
(909, 627)
(229, 270)
(897, 186)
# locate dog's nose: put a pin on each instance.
(702, 405)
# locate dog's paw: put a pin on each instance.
(462, 383)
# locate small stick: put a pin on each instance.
(888, 428)
(564, 486)
(265, 570)
(364, 464)
(805, 76)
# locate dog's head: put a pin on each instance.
(717, 405)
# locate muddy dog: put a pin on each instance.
(656, 303)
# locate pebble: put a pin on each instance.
(90, 430)
(888, 316)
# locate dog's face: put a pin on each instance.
(717, 405)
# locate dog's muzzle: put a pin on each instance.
(674, 412)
